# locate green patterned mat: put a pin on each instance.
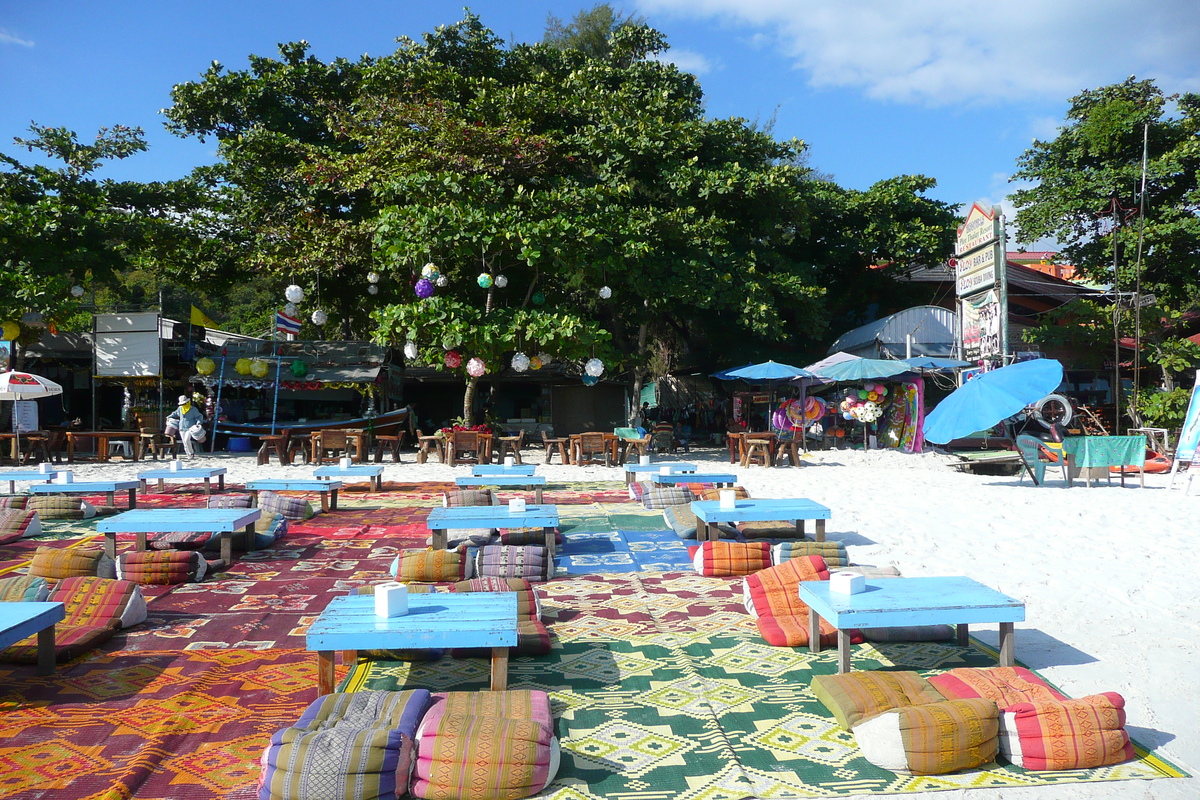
(662, 688)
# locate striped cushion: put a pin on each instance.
(725, 559)
(345, 746)
(56, 563)
(54, 506)
(854, 696)
(295, 508)
(528, 605)
(834, 553)
(181, 540)
(429, 566)
(932, 739)
(739, 492)
(14, 501)
(23, 588)
(1006, 686)
(162, 567)
(681, 520)
(95, 608)
(659, 497)
(1066, 734)
(775, 590)
(467, 497)
(229, 501)
(531, 562)
(16, 523)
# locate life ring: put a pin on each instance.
(1156, 463)
(1044, 411)
(814, 408)
(794, 413)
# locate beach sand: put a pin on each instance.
(1108, 574)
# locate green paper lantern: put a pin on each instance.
(484, 280)
(299, 368)
(539, 299)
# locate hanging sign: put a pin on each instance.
(981, 327)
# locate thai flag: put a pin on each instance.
(286, 324)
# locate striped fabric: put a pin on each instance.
(771, 596)
(95, 608)
(345, 746)
(53, 506)
(294, 508)
(932, 739)
(467, 497)
(533, 638)
(182, 540)
(14, 501)
(1066, 734)
(56, 563)
(229, 501)
(726, 559)
(654, 496)
(23, 588)
(162, 567)
(855, 696)
(834, 553)
(739, 492)
(524, 536)
(681, 520)
(1006, 686)
(531, 562)
(428, 566)
(17, 523)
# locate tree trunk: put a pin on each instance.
(639, 375)
(468, 414)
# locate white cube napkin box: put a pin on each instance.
(391, 599)
(847, 583)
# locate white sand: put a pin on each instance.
(1108, 575)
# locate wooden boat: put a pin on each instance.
(389, 423)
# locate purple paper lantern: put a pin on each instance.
(424, 288)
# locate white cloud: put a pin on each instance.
(7, 37)
(686, 60)
(946, 52)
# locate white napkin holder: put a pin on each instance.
(65, 477)
(728, 499)
(344, 463)
(391, 599)
(509, 461)
(516, 505)
(664, 470)
(644, 460)
(45, 467)
(174, 466)
(847, 583)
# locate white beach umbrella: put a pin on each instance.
(24, 386)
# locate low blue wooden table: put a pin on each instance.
(191, 520)
(456, 517)
(898, 602)
(109, 488)
(676, 478)
(18, 620)
(373, 475)
(633, 470)
(27, 475)
(190, 473)
(502, 469)
(328, 489)
(799, 509)
(534, 482)
(443, 619)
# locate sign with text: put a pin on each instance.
(976, 272)
(981, 227)
(982, 318)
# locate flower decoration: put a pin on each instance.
(594, 367)
(258, 368)
(206, 366)
(430, 272)
(298, 368)
(520, 362)
(77, 291)
(242, 366)
(476, 367)
(501, 281)
(290, 309)
(410, 350)
(535, 363)
(484, 280)
(453, 359)
(319, 317)
(424, 288)
(372, 289)
(545, 358)
(605, 292)
(293, 293)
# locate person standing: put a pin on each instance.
(185, 417)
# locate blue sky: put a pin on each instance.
(953, 90)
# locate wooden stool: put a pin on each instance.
(274, 444)
(757, 450)
(551, 443)
(511, 444)
(790, 448)
(735, 439)
(427, 445)
(635, 447)
(389, 443)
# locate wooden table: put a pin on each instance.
(109, 488)
(898, 602)
(19, 620)
(535, 483)
(328, 489)
(224, 521)
(441, 620)
(27, 475)
(102, 438)
(711, 514)
(207, 474)
(633, 470)
(457, 517)
(430, 444)
(373, 475)
(355, 437)
(35, 440)
(1102, 452)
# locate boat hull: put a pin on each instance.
(390, 423)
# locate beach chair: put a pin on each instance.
(1037, 457)
(464, 447)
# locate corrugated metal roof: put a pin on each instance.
(931, 327)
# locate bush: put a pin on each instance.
(1162, 409)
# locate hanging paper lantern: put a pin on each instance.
(605, 292)
(590, 380)
(372, 277)
(453, 359)
(410, 350)
(298, 368)
(520, 362)
(293, 293)
(484, 280)
(535, 363)
(242, 366)
(206, 366)
(594, 367)
(424, 288)
(443, 280)
(319, 317)
(290, 309)
(258, 368)
(9, 331)
(538, 298)
(372, 289)
(476, 367)
(545, 358)
(76, 291)
(501, 281)
(430, 272)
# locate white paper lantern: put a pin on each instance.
(372, 277)
(476, 367)
(372, 289)
(545, 358)
(290, 309)
(594, 367)
(501, 281)
(410, 350)
(293, 293)
(605, 292)
(319, 317)
(76, 291)
(520, 362)
(430, 272)
(443, 281)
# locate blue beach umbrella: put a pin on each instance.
(766, 371)
(863, 369)
(986, 400)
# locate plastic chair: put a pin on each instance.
(1035, 455)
